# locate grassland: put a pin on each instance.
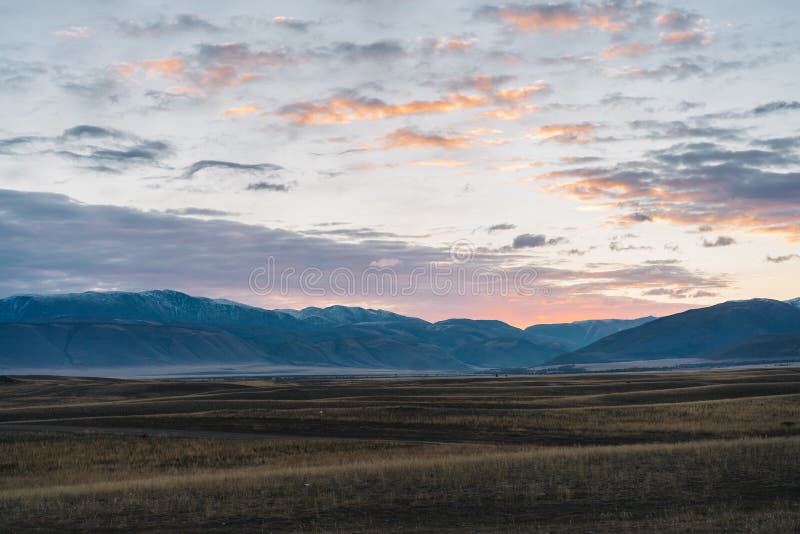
(666, 452)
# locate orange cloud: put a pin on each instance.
(567, 133)
(509, 114)
(561, 17)
(225, 76)
(438, 163)
(345, 109)
(687, 38)
(521, 93)
(445, 163)
(484, 131)
(632, 49)
(408, 138)
(247, 109)
(537, 18)
(607, 23)
(514, 165)
(449, 44)
(170, 67)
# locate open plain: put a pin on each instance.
(667, 452)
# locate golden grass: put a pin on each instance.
(672, 452)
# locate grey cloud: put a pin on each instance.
(267, 186)
(680, 293)
(535, 240)
(500, 227)
(639, 217)
(580, 160)
(87, 130)
(618, 246)
(95, 145)
(721, 241)
(678, 129)
(772, 107)
(204, 212)
(701, 183)
(234, 52)
(685, 105)
(376, 51)
(289, 23)
(479, 83)
(198, 166)
(619, 99)
(177, 24)
(663, 262)
(779, 143)
(782, 259)
(102, 87)
(684, 68)
(16, 75)
(678, 19)
(52, 243)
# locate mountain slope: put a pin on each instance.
(341, 315)
(695, 333)
(572, 336)
(767, 347)
(162, 306)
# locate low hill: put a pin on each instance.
(695, 333)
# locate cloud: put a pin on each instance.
(48, 238)
(680, 293)
(782, 259)
(483, 83)
(612, 16)
(780, 105)
(163, 26)
(515, 94)
(410, 138)
(721, 241)
(617, 246)
(678, 19)
(290, 23)
(348, 107)
(567, 133)
(202, 212)
(16, 74)
(501, 227)
(682, 68)
(267, 186)
(679, 129)
(780, 143)
(211, 67)
(535, 241)
(448, 45)
(686, 38)
(627, 50)
(639, 217)
(384, 50)
(385, 263)
(101, 149)
(74, 32)
(695, 184)
(238, 111)
(201, 165)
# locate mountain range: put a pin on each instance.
(164, 328)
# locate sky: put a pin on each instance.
(529, 162)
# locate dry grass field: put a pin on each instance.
(658, 452)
